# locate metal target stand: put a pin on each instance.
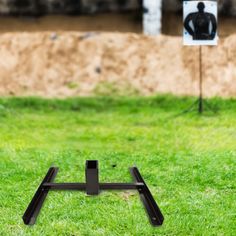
(200, 103)
(93, 187)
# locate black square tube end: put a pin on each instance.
(91, 175)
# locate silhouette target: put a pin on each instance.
(200, 24)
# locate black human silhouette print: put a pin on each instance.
(201, 25)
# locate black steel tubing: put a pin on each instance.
(155, 216)
(102, 186)
(36, 203)
(91, 175)
(119, 186)
(65, 186)
(92, 187)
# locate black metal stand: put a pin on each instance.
(200, 102)
(92, 187)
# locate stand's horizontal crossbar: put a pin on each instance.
(82, 186)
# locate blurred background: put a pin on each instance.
(80, 47)
(117, 15)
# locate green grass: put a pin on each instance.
(188, 162)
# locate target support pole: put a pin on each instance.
(200, 105)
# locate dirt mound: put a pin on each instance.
(74, 64)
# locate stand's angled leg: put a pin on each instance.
(36, 203)
(209, 107)
(153, 211)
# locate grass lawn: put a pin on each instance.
(187, 161)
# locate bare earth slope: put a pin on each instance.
(75, 64)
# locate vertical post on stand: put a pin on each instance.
(200, 105)
(92, 182)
